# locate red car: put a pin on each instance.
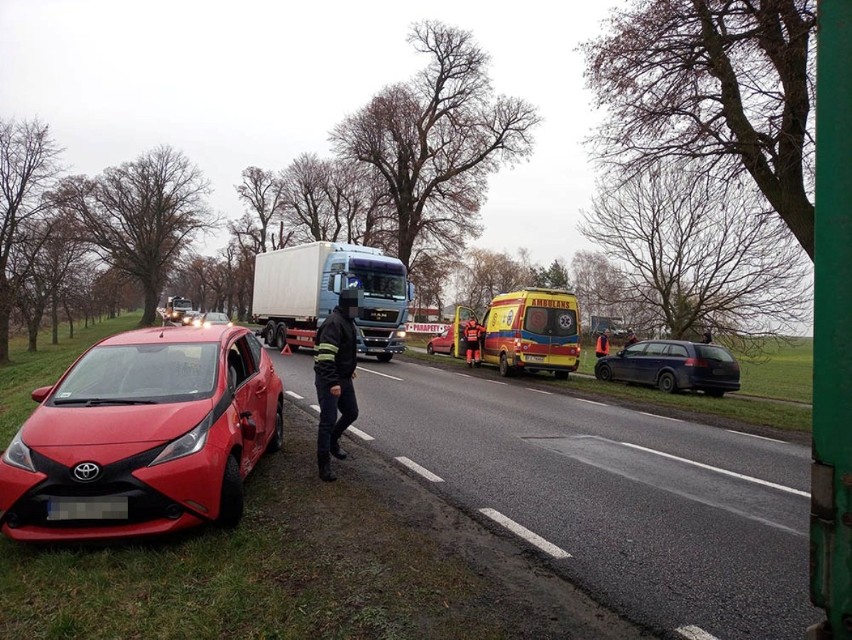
(149, 432)
(443, 343)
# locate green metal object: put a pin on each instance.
(831, 501)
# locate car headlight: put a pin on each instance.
(18, 455)
(187, 444)
(400, 334)
(196, 323)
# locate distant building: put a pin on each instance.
(423, 314)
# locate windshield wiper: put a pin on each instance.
(93, 402)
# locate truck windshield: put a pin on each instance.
(379, 279)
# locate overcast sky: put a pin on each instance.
(234, 84)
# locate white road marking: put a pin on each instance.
(691, 632)
(316, 408)
(293, 394)
(463, 375)
(657, 415)
(431, 477)
(384, 375)
(547, 393)
(602, 404)
(733, 474)
(526, 534)
(359, 433)
(497, 382)
(751, 435)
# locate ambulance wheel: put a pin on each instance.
(505, 370)
(561, 375)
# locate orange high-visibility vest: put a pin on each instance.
(602, 348)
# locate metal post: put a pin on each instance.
(831, 490)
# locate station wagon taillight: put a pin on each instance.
(695, 362)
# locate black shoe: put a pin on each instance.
(325, 472)
(470, 365)
(478, 364)
(340, 453)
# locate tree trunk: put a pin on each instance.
(54, 319)
(5, 313)
(70, 321)
(149, 313)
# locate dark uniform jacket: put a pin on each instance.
(336, 357)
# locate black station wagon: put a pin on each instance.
(672, 366)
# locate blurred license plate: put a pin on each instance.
(534, 358)
(719, 372)
(87, 508)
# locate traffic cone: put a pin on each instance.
(286, 350)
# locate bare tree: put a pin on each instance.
(28, 165)
(142, 215)
(262, 191)
(730, 81)
(307, 211)
(484, 274)
(699, 253)
(436, 139)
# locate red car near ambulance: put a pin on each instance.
(533, 329)
(149, 432)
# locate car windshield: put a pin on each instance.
(157, 372)
(216, 317)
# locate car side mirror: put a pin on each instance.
(620, 354)
(41, 393)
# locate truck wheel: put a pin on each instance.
(269, 333)
(384, 357)
(280, 337)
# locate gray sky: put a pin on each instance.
(233, 84)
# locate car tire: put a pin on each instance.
(430, 350)
(505, 370)
(276, 443)
(603, 372)
(561, 375)
(231, 499)
(666, 383)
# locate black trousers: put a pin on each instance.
(330, 427)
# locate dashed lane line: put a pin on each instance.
(751, 435)
(546, 393)
(359, 433)
(657, 415)
(600, 404)
(293, 394)
(521, 531)
(691, 632)
(431, 477)
(384, 375)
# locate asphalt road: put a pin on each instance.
(691, 530)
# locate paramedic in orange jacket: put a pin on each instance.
(472, 333)
(602, 347)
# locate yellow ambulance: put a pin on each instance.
(528, 330)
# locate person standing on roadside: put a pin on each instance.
(334, 368)
(472, 333)
(602, 347)
(631, 338)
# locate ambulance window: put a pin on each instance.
(564, 322)
(535, 320)
(552, 322)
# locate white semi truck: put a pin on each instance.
(296, 288)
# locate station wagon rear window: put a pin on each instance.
(712, 352)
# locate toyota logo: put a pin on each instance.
(86, 471)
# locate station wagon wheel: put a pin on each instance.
(666, 383)
(429, 349)
(277, 440)
(604, 372)
(231, 500)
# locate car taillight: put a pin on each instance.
(695, 362)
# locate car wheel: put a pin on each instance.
(561, 375)
(715, 393)
(430, 350)
(384, 357)
(277, 440)
(604, 372)
(231, 500)
(666, 383)
(505, 370)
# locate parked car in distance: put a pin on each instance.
(672, 366)
(149, 432)
(213, 318)
(445, 342)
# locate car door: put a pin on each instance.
(624, 366)
(463, 314)
(648, 366)
(248, 398)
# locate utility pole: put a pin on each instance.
(831, 477)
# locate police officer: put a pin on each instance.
(334, 366)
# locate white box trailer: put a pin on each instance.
(287, 281)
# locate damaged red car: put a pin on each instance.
(149, 432)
